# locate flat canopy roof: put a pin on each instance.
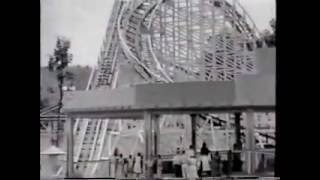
(256, 92)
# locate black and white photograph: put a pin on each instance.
(158, 89)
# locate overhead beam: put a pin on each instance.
(128, 113)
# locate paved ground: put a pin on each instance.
(220, 178)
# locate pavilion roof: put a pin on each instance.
(248, 91)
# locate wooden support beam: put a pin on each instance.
(277, 153)
(193, 132)
(148, 146)
(70, 150)
(250, 139)
(156, 122)
(237, 119)
(237, 164)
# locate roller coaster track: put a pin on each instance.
(131, 38)
(221, 122)
(130, 35)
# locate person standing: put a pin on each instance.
(137, 168)
(120, 167)
(125, 167)
(215, 164)
(192, 168)
(184, 164)
(190, 151)
(114, 163)
(142, 164)
(227, 164)
(130, 166)
(205, 169)
(176, 163)
(230, 162)
(180, 156)
(261, 165)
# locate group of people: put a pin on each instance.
(129, 167)
(186, 164)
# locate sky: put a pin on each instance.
(84, 22)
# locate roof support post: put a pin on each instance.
(70, 146)
(277, 153)
(237, 164)
(156, 122)
(193, 132)
(148, 146)
(250, 139)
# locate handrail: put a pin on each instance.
(251, 20)
(90, 78)
(81, 138)
(152, 16)
(49, 109)
(97, 129)
(59, 171)
(114, 81)
(104, 129)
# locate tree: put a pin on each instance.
(269, 38)
(44, 103)
(58, 62)
(273, 25)
(273, 35)
(50, 90)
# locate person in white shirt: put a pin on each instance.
(190, 152)
(137, 167)
(192, 168)
(120, 168)
(114, 163)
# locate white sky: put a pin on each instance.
(84, 23)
